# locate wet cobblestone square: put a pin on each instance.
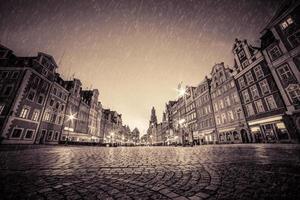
(264, 171)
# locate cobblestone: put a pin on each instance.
(263, 171)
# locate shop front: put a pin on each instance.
(269, 130)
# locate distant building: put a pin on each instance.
(229, 116)
(280, 43)
(135, 136)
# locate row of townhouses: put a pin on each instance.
(256, 100)
(37, 106)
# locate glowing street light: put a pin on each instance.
(70, 118)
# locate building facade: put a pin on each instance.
(24, 87)
(260, 96)
(229, 116)
(280, 43)
(206, 127)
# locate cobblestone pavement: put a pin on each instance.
(206, 172)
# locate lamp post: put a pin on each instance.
(70, 118)
(111, 138)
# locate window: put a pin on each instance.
(232, 84)
(271, 104)
(29, 134)
(59, 120)
(56, 135)
(275, 52)
(49, 136)
(4, 74)
(227, 101)
(230, 115)
(1, 108)
(285, 72)
(36, 81)
(54, 91)
(47, 116)
(264, 86)
(7, 90)
(31, 95)
(246, 96)
(53, 120)
(57, 105)
(221, 104)
(245, 63)
(242, 82)
(259, 106)
(254, 92)
(286, 23)
(224, 119)
(35, 115)
(294, 93)
(249, 77)
(218, 120)
(41, 99)
(294, 39)
(17, 132)
(51, 102)
(45, 86)
(62, 107)
(15, 75)
(258, 72)
(238, 112)
(249, 109)
(235, 97)
(216, 106)
(241, 54)
(24, 112)
(44, 72)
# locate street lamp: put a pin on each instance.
(181, 123)
(111, 137)
(70, 118)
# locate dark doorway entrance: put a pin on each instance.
(244, 135)
(42, 138)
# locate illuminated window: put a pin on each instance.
(24, 112)
(35, 115)
(286, 23)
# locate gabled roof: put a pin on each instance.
(49, 57)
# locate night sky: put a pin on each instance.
(135, 52)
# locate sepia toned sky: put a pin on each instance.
(134, 51)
